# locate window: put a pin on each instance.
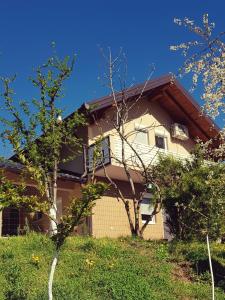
(11, 221)
(38, 215)
(141, 137)
(146, 210)
(161, 141)
(141, 134)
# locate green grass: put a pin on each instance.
(96, 269)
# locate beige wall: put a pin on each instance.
(109, 219)
(146, 113)
(66, 196)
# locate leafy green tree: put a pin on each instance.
(193, 197)
(37, 134)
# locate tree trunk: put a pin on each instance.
(137, 218)
(51, 194)
(127, 208)
(51, 275)
(137, 231)
(53, 210)
(53, 215)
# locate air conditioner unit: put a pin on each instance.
(179, 131)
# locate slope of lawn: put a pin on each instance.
(197, 255)
(99, 269)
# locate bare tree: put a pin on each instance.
(131, 158)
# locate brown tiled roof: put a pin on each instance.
(175, 99)
(17, 168)
(130, 92)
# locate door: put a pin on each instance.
(10, 221)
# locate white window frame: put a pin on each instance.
(163, 133)
(143, 129)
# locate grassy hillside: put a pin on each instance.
(99, 269)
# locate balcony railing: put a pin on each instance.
(149, 154)
(103, 158)
(113, 154)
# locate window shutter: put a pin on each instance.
(146, 210)
(146, 207)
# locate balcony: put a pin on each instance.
(148, 153)
(111, 158)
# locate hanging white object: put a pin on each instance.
(59, 119)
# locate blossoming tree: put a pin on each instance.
(204, 60)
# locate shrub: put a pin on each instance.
(193, 197)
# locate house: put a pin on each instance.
(165, 119)
(13, 221)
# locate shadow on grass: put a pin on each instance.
(202, 266)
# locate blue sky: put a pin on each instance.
(144, 29)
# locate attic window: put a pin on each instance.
(141, 135)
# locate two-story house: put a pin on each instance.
(165, 119)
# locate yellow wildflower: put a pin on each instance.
(89, 262)
(111, 265)
(35, 259)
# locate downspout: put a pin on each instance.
(85, 162)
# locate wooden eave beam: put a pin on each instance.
(168, 94)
